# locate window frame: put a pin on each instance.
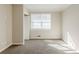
(41, 22)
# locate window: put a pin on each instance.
(40, 21)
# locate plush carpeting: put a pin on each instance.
(39, 47)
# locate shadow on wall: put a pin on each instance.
(70, 41)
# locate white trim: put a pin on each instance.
(26, 39)
(46, 38)
(5, 47)
(10, 45)
(17, 44)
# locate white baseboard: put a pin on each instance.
(1, 50)
(26, 39)
(17, 44)
(46, 39)
(5, 47)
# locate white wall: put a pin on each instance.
(25, 10)
(5, 26)
(17, 34)
(54, 33)
(71, 26)
(26, 25)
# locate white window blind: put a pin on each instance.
(41, 21)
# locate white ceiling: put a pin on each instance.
(46, 7)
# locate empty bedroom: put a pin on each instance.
(39, 28)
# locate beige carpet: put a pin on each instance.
(39, 47)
